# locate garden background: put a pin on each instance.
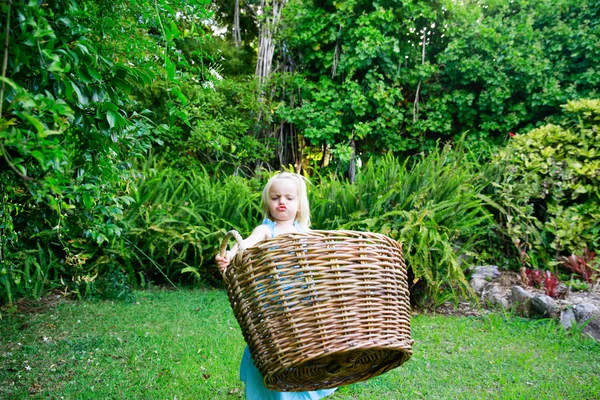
(134, 134)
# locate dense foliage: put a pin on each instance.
(509, 65)
(223, 125)
(69, 134)
(549, 186)
(398, 75)
(132, 136)
(430, 204)
(360, 64)
(71, 128)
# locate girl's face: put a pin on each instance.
(283, 200)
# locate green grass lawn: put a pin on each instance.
(187, 345)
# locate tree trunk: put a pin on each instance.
(269, 16)
(336, 54)
(416, 105)
(237, 36)
(352, 165)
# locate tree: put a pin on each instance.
(71, 128)
(402, 75)
(269, 16)
(239, 19)
(360, 64)
(510, 65)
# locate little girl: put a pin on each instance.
(286, 209)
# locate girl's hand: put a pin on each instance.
(223, 262)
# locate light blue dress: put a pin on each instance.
(255, 387)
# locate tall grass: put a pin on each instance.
(31, 272)
(173, 226)
(177, 219)
(429, 203)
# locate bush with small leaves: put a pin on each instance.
(548, 184)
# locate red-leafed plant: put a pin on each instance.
(585, 266)
(542, 279)
(534, 277)
(551, 284)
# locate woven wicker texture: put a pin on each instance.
(321, 309)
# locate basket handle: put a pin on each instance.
(231, 234)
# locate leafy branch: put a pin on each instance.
(4, 67)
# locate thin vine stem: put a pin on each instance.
(164, 32)
(4, 68)
(5, 58)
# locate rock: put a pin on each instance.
(592, 329)
(561, 291)
(486, 272)
(584, 311)
(494, 297)
(499, 300)
(521, 301)
(567, 319)
(589, 314)
(543, 306)
(570, 308)
(478, 285)
(482, 276)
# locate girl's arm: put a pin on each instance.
(259, 233)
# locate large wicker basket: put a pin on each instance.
(321, 309)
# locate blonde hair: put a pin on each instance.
(303, 216)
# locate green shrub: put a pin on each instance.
(173, 227)
(431, 206)
(548, 185)
(220, 125)
(68, 134)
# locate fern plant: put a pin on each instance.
(430, 204)
(174, 225)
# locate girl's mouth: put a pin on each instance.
(281, 208)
